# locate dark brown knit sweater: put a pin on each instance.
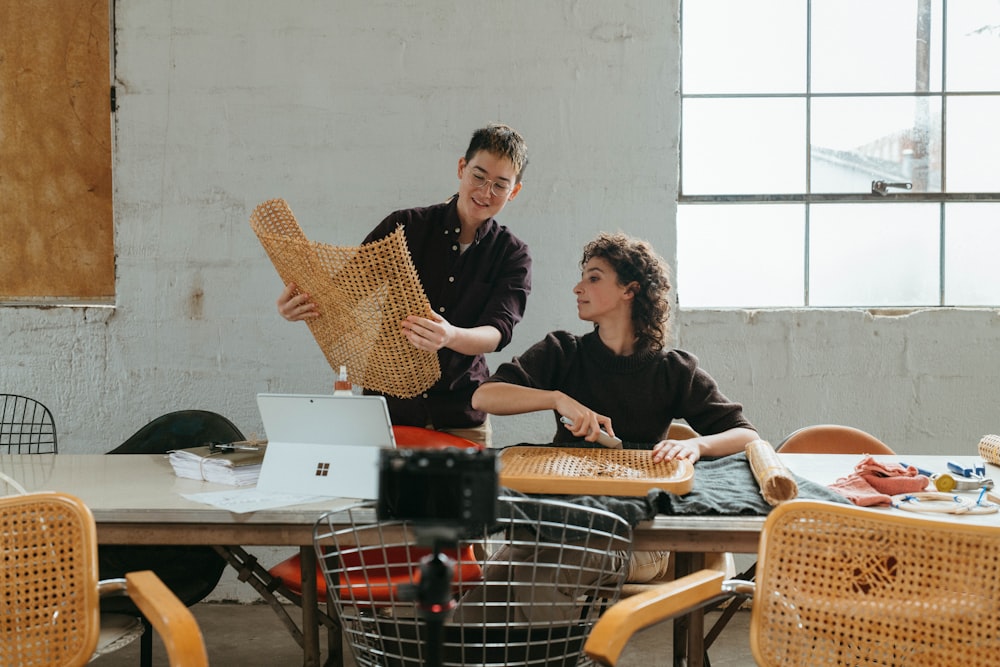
(641, 393)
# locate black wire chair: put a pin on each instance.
(26, 426)
(190, 572)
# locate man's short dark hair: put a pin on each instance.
(503, 141)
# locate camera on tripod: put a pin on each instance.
(446, 493)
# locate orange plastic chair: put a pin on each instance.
(832, 439)
(680, 431)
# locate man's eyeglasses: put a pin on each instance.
(496, 189)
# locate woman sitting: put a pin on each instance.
(622, 376)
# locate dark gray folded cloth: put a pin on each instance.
(723, 486)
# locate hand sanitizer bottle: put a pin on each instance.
(342, 387)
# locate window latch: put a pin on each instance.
(882, 187)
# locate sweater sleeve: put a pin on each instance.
(701, 403)
(541, 365)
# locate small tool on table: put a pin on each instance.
(242, 445)
(963, 478)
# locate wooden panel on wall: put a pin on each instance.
(56, 217)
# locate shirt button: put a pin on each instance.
(451, 279)
(454, 247)
(441, 309)
(458, 229)
(424, 395)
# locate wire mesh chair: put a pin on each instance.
(552, 568)
(26, 426)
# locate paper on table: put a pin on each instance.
(241, 501)
(235, 468)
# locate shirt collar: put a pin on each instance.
(453, 226)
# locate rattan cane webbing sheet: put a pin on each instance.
(989, 449)
(607, 472)
(842, 585)
(363, 293)
(775, 480)
(49, 584)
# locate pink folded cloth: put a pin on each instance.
(873, 482)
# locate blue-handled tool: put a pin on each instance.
(920, 471)
(980, 469)
(959, 469)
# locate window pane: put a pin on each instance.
(857, 140)
(770, 41)
(863, 46)
(972, 236)
(874, 255)
(973, 144)
(743, 146)
(740, 256)
(974, 45)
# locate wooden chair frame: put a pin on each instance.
(840, 584)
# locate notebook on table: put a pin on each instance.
(323, 445)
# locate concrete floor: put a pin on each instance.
(242, 635)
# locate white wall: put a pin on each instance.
(349, 109)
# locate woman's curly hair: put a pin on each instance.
(634, 260)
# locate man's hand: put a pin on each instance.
(296, 307)
(428, 333)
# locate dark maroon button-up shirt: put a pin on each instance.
(488, 284)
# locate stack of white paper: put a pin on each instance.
(235, 468)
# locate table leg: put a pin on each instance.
(335, 638)
(689, 630)
(310, 623)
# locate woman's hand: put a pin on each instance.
(296, 307)
(587, 424)
(669, 450)
(721, 444)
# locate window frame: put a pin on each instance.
(807, 198)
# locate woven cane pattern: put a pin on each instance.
(363, 293)
(613, 472)
(989, 449)
(775, 480)
(49, 582)
(841, 585)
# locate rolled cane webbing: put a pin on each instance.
(606, 472)
(989, 449)
(776, 482)
(363, 293)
